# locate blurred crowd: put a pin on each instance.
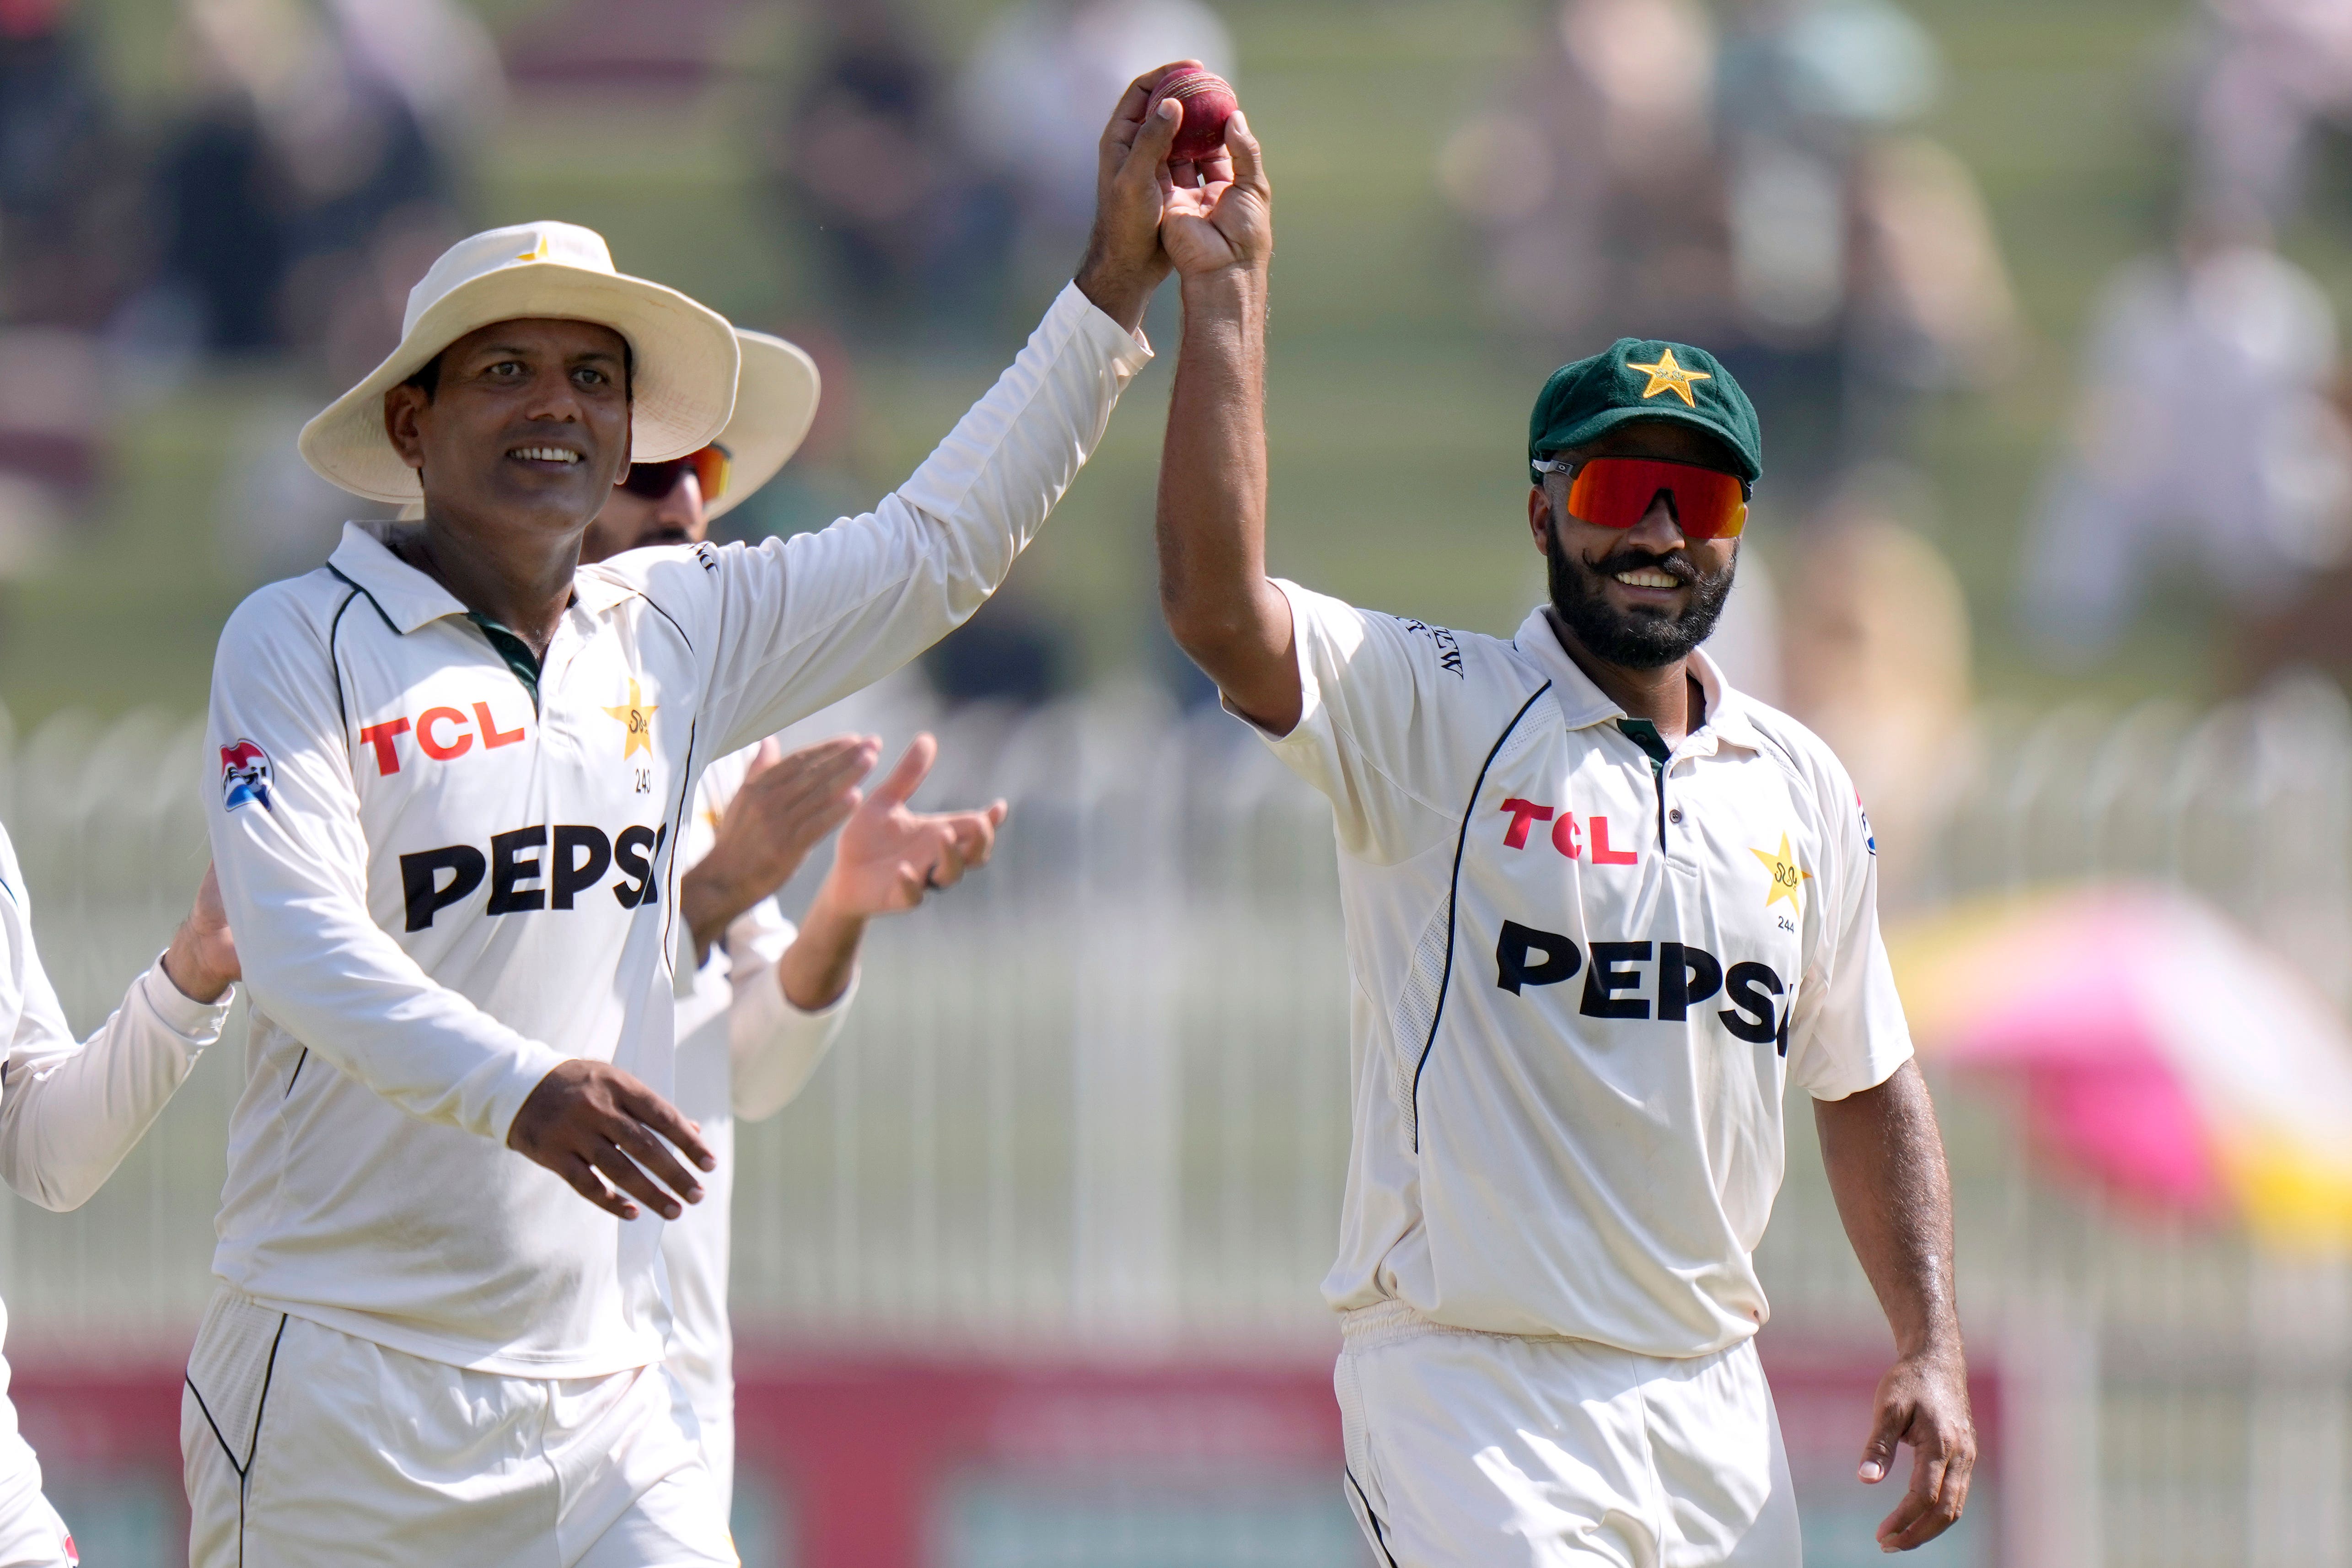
(2211, 438)
(1756, 175)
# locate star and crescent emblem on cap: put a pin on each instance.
(539, 253)
(638, 715)
(1665, 375)
(1786, 875)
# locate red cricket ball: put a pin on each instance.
(1207, 102)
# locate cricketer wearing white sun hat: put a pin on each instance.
(437, 1280)
(776, 394)
(683, 356)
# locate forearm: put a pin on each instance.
(816, 970)
(1211, 511)
(327, 973)
(1885, 1158)
(69, 1114)
(776, 1046)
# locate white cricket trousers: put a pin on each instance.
(33, 1536)
(1465, 1447)
(306, 1446)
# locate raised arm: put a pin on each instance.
(806, 620)
(1220, 609)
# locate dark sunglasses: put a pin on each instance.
(655, 480)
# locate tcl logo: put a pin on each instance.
(1568, 834)
(1617, 985)
(444, 734)
(533, 868)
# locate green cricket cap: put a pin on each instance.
(1644, 378)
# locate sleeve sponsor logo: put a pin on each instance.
(244, 776)
(1869, 839)
(1616, 987)
(533, 868)
(1449, 647)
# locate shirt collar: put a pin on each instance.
(409, 598)
(1582, 704)
(406, 597)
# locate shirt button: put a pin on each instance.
(1676, 814)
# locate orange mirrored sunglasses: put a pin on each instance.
(655, 480)
(1616, 492)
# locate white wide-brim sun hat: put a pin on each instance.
(775, 402)
(683, 356)
(776, 394)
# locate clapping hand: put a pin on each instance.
(889, 857)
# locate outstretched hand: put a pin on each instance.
(789, 802)
(889, 857)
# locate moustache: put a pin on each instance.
(1673, 563)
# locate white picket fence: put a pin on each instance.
(1095, 1099)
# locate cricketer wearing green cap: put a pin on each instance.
(1602, 910)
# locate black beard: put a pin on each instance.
(1638, 638)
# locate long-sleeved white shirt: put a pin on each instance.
(71, 1110)
(743, 1050)
(451, 867)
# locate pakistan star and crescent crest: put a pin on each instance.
(1788, 877)
(1665, 375)
(638, 715)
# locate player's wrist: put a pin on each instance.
(1224, 315)
(1933, 1344)
(710, 899)
(837, 902)
(184, 967)
(1120, 286)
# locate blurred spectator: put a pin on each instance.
(1755, 192)
(866, 157)
(438, 58)
(301, 161)
(1597, 184)
(64, 195)
(1876, 660)
(2206, 439)
(1032, 98)
(2271, 72)
(1863, 261)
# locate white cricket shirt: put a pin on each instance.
(71, 1110)
(448, 872)
(743, 1049)
(1579, 980)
